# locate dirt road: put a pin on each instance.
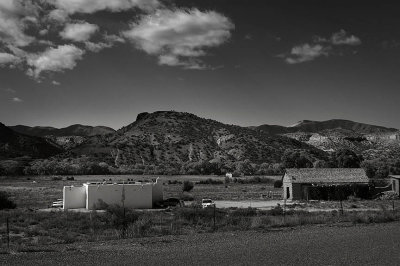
(315, 245)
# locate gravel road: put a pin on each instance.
(377, 244)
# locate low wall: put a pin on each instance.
(137, 196)
(74, 197)
(157, 193)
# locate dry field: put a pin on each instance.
(40, 191)
(32, 229)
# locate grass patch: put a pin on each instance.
(29, 230)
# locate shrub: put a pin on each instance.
(187, 197)
(227, 179)
(187, 186)
(210, 181)
(5, 202)
(278, 184)
(56, 178)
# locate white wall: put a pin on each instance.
(74, 197)
(136, 195)
(157, 191)
(287, 183)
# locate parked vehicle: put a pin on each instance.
(57, 204)
(205, 203)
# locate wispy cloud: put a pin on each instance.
(54, 60)
(91, 6)
(79, 32)
(55, 83)
(342, 38)
(306, 52)
(179, 37)
(320, 46)
(6, 58)
(16, 100)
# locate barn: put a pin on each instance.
(324, 183)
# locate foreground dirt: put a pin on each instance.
(376, 244)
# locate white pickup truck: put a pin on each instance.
(205, 203)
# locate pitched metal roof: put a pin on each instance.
(327, 175)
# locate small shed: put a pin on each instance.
(324, 183)
(395, 180)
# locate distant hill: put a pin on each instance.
(369, 140)
(14, 144)
(169, 142)
(317, 126)
(178, 138)
(73, 130)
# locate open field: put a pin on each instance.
(34, 229)
(41, 191)
(374, 244)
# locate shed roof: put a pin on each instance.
(327, 175)
(395, 176)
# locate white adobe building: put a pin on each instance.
(136, 195)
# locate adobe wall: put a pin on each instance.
(74, 197)
(138, 196)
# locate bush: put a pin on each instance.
(5, 202)
(187, 186)
(186, 197)
(210, 181)
(278, 184)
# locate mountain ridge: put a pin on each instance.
(72, 130)
(316, 126)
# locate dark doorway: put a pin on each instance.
(287, 192)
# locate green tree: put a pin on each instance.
(345, 158)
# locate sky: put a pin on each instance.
(243, 62)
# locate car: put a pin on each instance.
(172, 202)
(205, 203)
(57, 204)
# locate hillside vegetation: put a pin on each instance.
(169, 142)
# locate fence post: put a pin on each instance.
(284, 211)
(214, 215)
(8, 234)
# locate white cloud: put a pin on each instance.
(96, 47)
(6, 58)
(79, 32)
(109, 41)
(54, 59)
(113, 38)
(320, 46)
(16, 100)
(55, 83)
(91, 6)
(58, 15)
(341, 38)
(14, 17)
(306, 52)
(178, 37)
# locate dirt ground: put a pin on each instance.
(374, 244)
